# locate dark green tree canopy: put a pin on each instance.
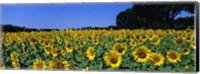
(152, 15)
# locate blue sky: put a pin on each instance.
(64, 16)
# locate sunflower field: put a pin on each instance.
(111, 50)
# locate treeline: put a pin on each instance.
(13, 28)
(156, 16)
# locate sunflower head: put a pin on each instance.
(178, 40)
(91, 53)
(173, 56)
(39, 64)
(69, 47)
(113, 59)
(63, 52)
(140, 41)
(137, 36)
(141, 54)
(66, 65)
(144, 37)
(47, 49)
(95, 40)
(57, 64)
(117, 37)
(155, 40)
(188, 38)
(192, 44)
(54, 52)
(16, 65)
(188, 31)
(14, 56)
(78, 48)
(186, 51)
(133, 43)
(157, 59)
(120, 47)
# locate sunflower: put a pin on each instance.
(69, 47)
(188, 38)
(58, 64)
(186, 51)
(173, 56)
(54, 52)
(33, 45)
(47, 49)
(14, 56)
(91, 53)
(144, 37)
(140, 41)
(45, 42)
(178, 40)
(128, 36)
(113, 59)
(95, 40)
(63, 52)
(84, 41)
(155, 40)
(141, 54)
(16, 65)
(66, 65)
(157, 59)
(39, 65)
(137, 36)
(188, 31)
(133, 43)
(120, 47)
(192, 44)
(117, 37)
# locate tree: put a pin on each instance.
(152, 16)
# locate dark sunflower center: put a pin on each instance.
(132, 37)
(150, 36)
(39, 65)
(133, 43)
(173, 56)
(179, 41)
(119, 48)
(137, 37)
(156, 59)
(91, 52)
(154, 40)
(113, 59)
(48, 48)
(143, 37)
(60, 65)
(128, 37)
(141, 54)
(90, 38)
(78, 49)
(15, 56)
(188, 38)
(69, 45)
(185, 50)
(188, 31)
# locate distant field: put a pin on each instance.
(135, 50)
